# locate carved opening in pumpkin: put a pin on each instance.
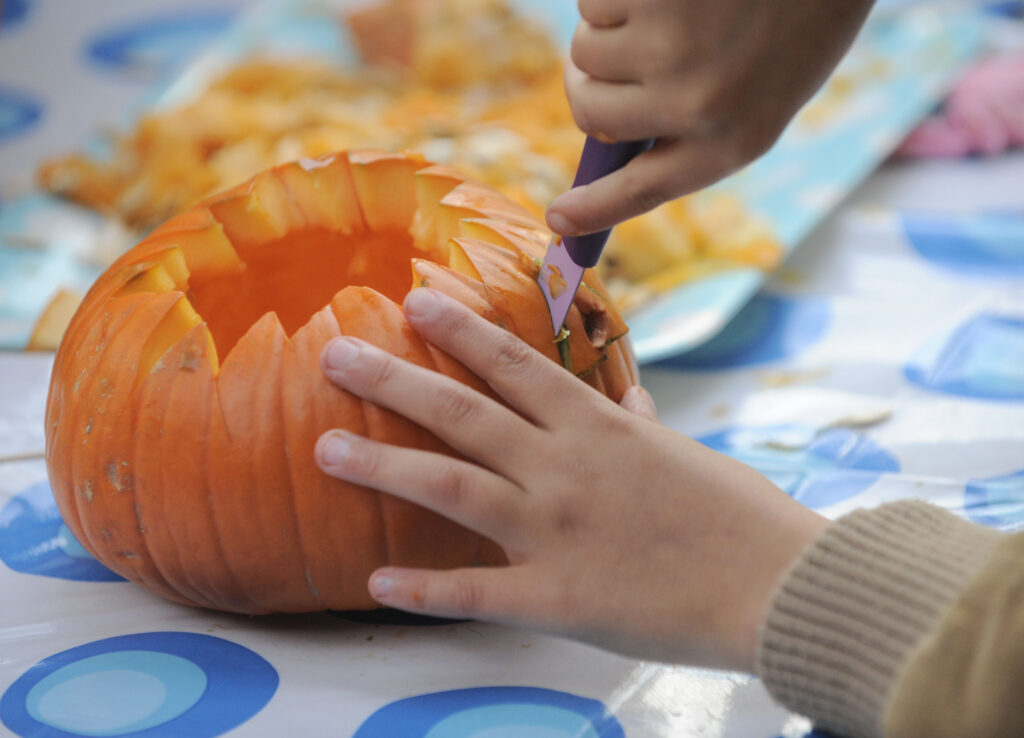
(289, 240)
(298, 274)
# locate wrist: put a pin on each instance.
(786, 539)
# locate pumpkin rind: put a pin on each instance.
(187, 394)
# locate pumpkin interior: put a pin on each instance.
(288, 241)
(298, 274)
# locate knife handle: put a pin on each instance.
(597, 160)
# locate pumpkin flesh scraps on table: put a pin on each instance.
(502, 117)
(187, 395)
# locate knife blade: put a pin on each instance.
(568, 258)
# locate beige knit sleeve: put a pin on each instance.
(966, 678)
(853, 610)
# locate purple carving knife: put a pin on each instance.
(566, 259)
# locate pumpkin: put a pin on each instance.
(187, 394)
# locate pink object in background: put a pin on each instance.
(983, 115)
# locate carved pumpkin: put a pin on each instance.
(187, 393)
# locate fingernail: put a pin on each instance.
(341, 353)
(603, 137)
(336, 449)
(422, 302)
(381, 586)
(562, 225)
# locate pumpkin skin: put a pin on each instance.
(187, 394)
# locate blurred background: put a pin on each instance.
(115, 115)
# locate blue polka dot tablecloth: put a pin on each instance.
(116, 58)
(884, 361)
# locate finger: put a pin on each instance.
(604, 53)
(603, 13)
(466, 493)
(466, 420)
(492, 594)
(669, 170)
(532, 384)
(638, 401)
(620, 111)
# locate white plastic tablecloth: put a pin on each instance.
(885, 360)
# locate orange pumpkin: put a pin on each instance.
(187, 393)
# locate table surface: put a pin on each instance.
(885, 360)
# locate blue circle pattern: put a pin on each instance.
(18, 112)
(498, 712)
(168, 686)
(983, 359)
(768, 328)
(1009, 8)
(834, 466)
(157, 46)
(997, 502)
(12, 12)
(145, 685)
(34, 540)
(982, 245)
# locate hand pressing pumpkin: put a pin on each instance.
(618, 531)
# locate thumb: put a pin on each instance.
(672, 168)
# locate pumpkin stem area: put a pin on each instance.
(299, 274)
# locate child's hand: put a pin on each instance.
(714, 81)
(620, 532)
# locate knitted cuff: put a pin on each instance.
(850, 611)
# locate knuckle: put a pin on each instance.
(450, 487)
(512, 355)
(580, 111)
(643, 195)
(467, 596)
(380, 370)
(458, 321)
(364, 460)
(578, 48)
(455, 405)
